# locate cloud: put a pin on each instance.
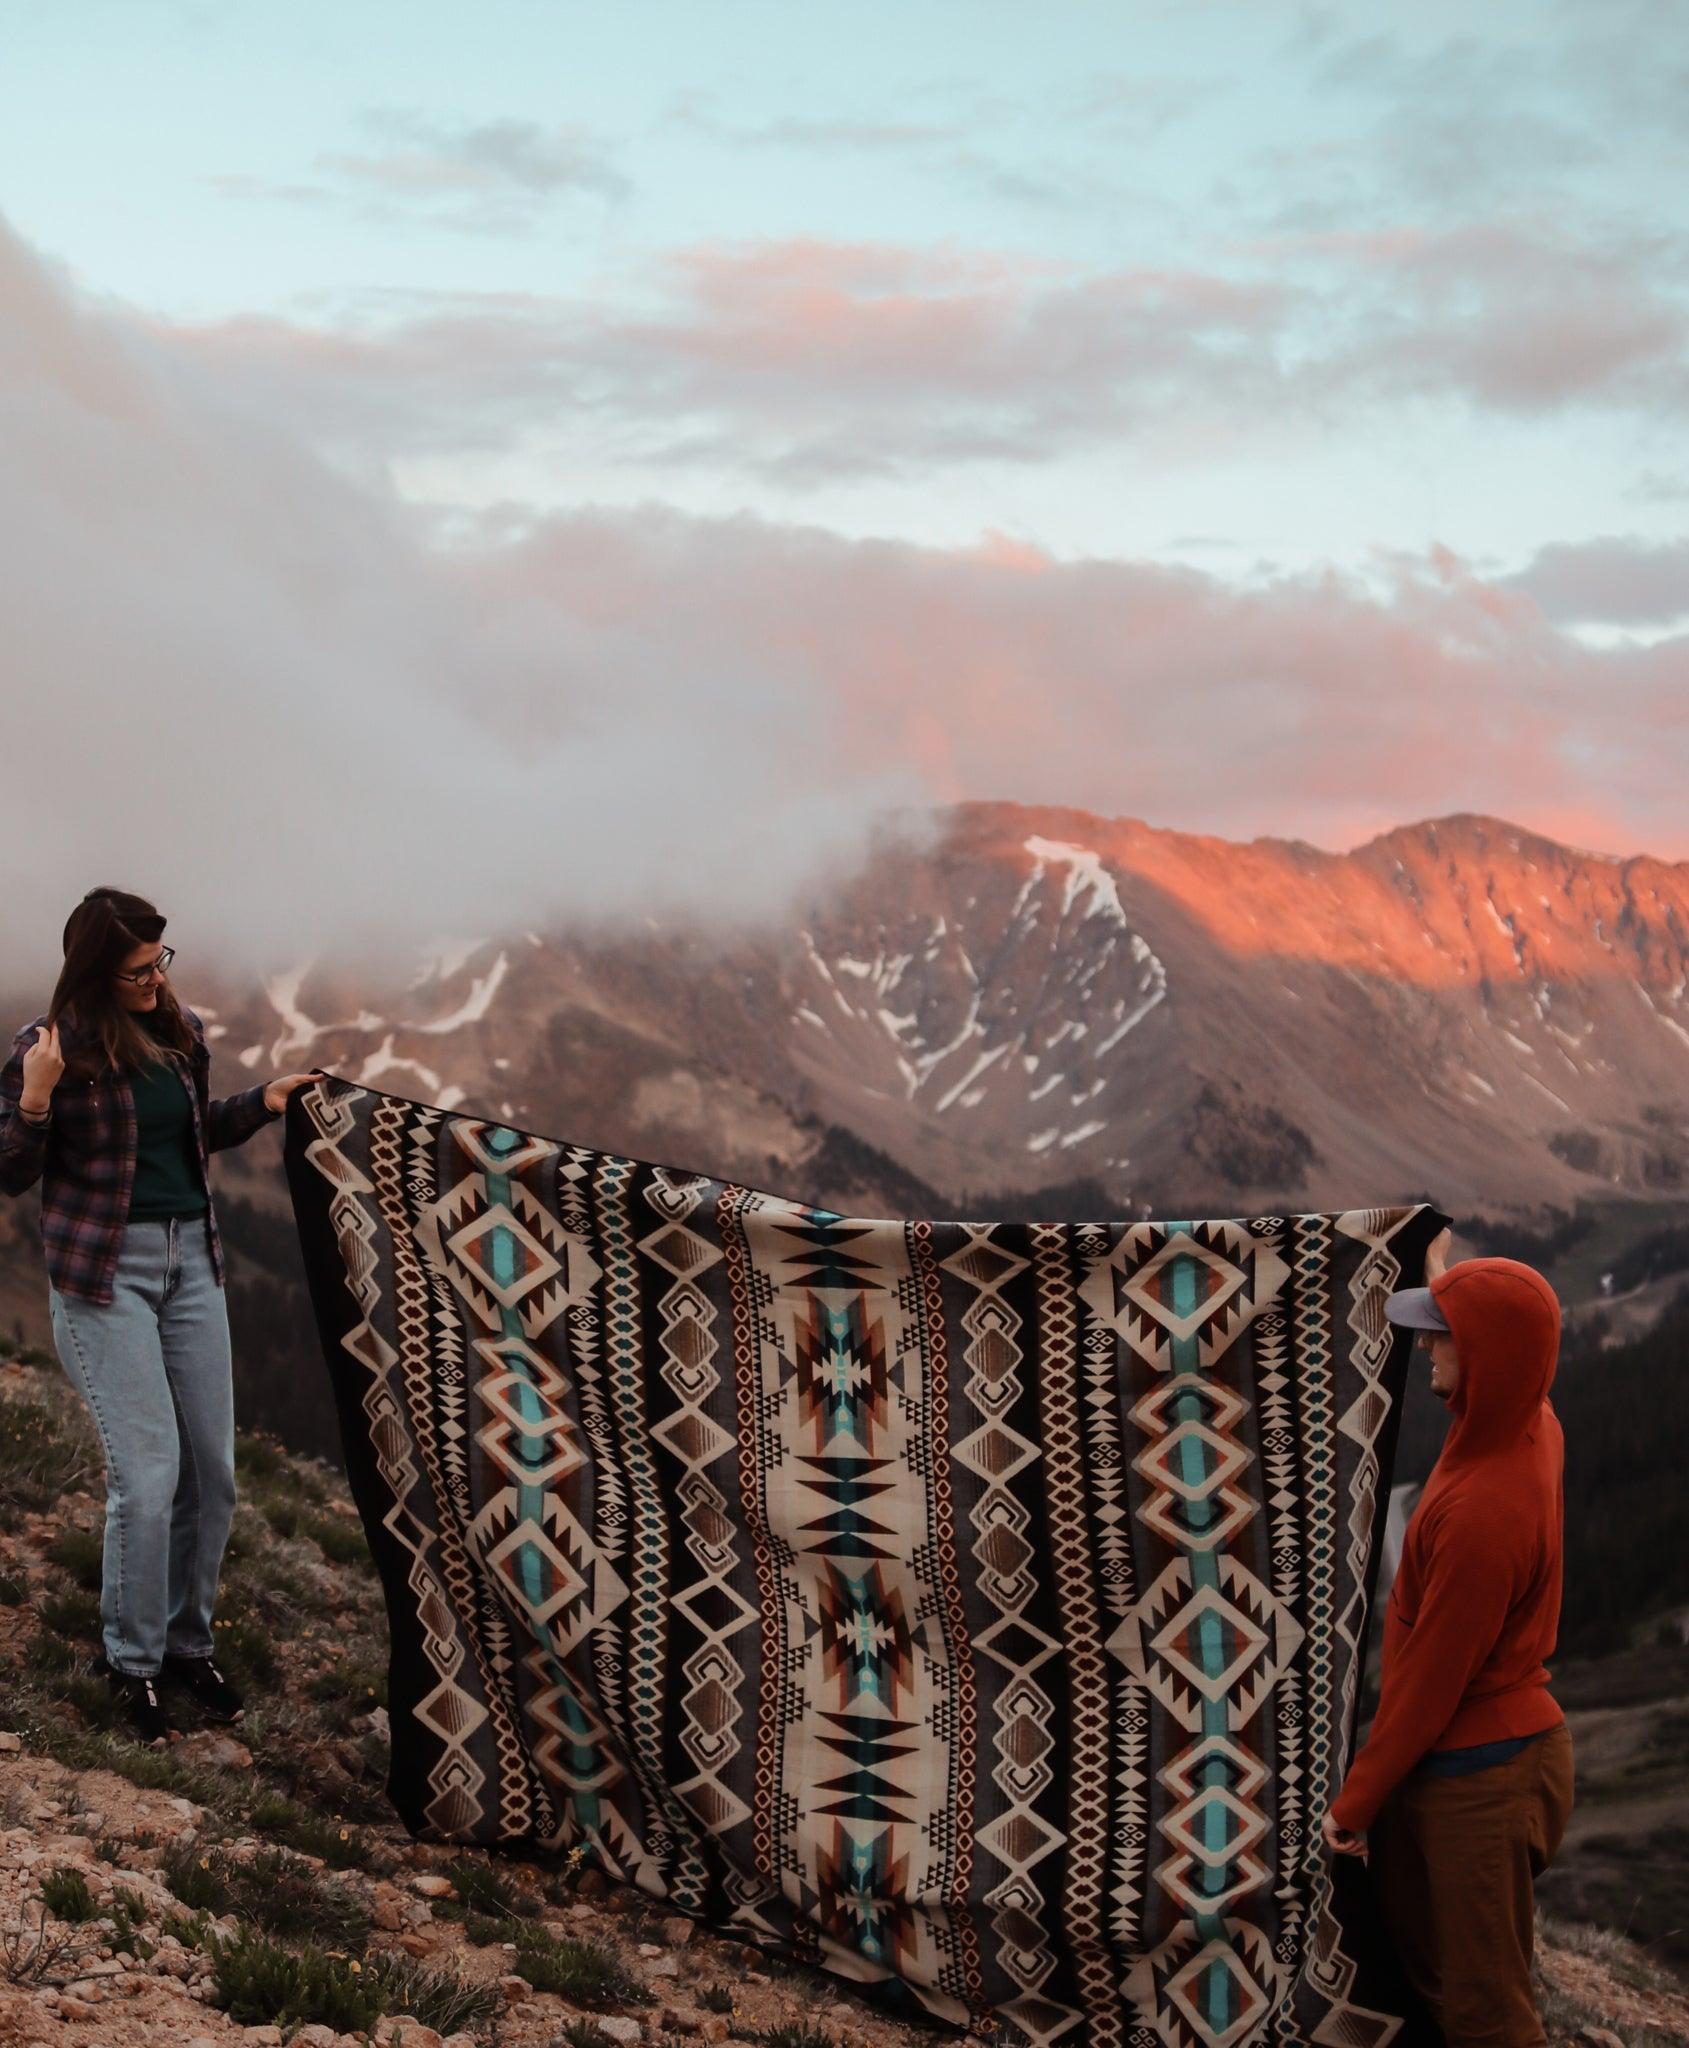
(257, 690)
(801, 359)
(947, 148)
(697, 113)
(487, 177)
(243, 685)
(804, 361)
(1519, 319)
(1468, 125)
(1610, 581)
(1315, 706)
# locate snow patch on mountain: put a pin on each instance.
(475, 1005)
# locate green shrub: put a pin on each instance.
(49, 1656)
(260, 1983)
(267, 1465)
(65, 1894)
(341, 1542)
(199, 1880)
(26, 1354)
(13, 1590)
(41, 1460)
(484, 1890)
(81, 1552)
(717, 1998)
(76, 1615)
(275, 1891)
(480, 1928)
(284, 1515)
(346, 1692)
(435, 1997)
(246, 1651)
(793, 2034)
(581, 1971)
(94, 1700)
(128, 1915)
(356, 1683)
(260, 1457)
(584, 2034)
(156, 1770)
(189, 1929)
(270, 1814)
(286, 1897)
(281, 1820)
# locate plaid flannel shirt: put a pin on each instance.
(84, 1156)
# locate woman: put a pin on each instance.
(105, 1100)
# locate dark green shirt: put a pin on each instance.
(167, 1180)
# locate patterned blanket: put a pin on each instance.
(973, 1608)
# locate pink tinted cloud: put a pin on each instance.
(1520, 314)
(1313, 708)
(810, 360)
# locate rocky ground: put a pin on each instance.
(253, 1885)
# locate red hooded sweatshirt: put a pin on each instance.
(1475, 1606)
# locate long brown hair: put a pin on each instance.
(104, 926)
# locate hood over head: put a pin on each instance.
(1505, 1321)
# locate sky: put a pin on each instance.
(487, 464)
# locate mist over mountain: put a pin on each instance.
(1458, 1007)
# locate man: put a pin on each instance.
(1461, 1792)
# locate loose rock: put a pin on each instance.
(207, 1746)
(388, 1913)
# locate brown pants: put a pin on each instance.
(1452, 1863)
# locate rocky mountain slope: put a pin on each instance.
(1043, 994)
(252, 1885)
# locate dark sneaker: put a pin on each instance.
(200, 1679)
(137, 1694)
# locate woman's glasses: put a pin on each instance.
(143, 975)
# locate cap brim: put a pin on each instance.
(1415, 1308)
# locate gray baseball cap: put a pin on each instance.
(1415, 1309)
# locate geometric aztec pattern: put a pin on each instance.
(975, 1610)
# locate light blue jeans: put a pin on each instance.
(154, 1367)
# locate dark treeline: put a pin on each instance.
(1625, 1414)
